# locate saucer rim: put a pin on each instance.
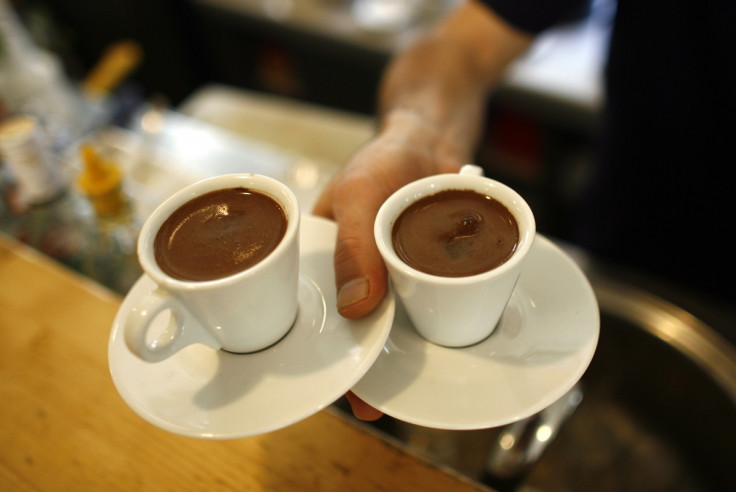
(319, 230)
(586, 352)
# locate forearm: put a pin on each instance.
(436, 90)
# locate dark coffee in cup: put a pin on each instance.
(455, 233)
(218, 234)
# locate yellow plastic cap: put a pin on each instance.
(100, 180)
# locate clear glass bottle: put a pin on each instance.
(112, 259)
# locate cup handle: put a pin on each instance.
(181, 331)
(471, 170)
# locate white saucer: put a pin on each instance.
(201, 392)
(541, 347)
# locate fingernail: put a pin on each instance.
(353, 291)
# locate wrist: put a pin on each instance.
(412, 128)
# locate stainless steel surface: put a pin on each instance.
(678, 328)
(658, 412)
(520, 445)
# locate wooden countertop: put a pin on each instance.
(64, 427)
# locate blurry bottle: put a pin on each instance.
(117, 62)
(46, 214)
(112, 258)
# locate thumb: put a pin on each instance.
(360, 273)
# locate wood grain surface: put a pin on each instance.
(64, 427)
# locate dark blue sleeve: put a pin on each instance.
(534, 16)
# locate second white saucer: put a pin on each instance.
(541, 347)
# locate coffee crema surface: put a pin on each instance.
(455, 233)
(218, 234)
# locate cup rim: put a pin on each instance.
(261, 183)
(430, 185)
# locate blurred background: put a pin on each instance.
(542, 122)
(218, 60)
(541, 126)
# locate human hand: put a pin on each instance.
(400, 154)
(431, 104)
(404, 151)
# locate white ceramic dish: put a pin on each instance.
(544, 342)
(206, 393)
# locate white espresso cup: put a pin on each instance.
(245, 312)
(454, 311)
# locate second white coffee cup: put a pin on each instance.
(454, 311)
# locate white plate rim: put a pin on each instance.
(357, 343)
(423, 392)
